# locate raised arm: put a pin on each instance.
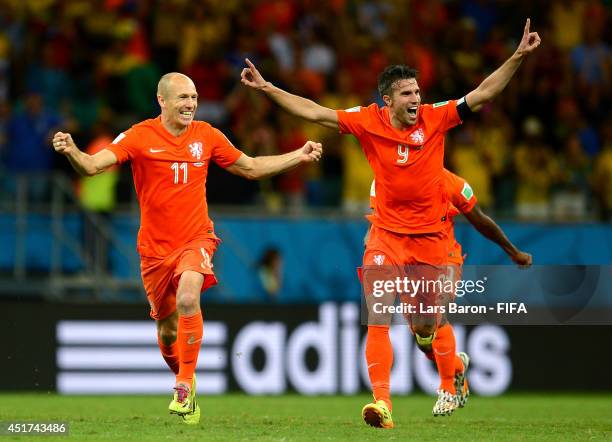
(492, 86)
(294, 104)
(489, 229)
(84, 164)
(262, 167)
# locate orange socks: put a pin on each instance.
(379, 357)
(170, 354)
(189, 340)
(458, 362)
(458, 365)
(444, 350)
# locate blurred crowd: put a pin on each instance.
(541, 151)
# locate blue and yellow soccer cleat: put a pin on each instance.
(377, 415)
(184, 403)
(461, 383)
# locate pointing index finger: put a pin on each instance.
(527, 23)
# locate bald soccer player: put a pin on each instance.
(169, 157)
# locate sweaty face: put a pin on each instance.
(404, 103)
(180, 102)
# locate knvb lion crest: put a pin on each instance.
(379, 259)
(196, 150)
(417, 137)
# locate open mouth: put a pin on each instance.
(186, 114)
(412, 111)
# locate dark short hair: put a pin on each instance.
(393, 73)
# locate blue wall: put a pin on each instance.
(38, 233)
(319, 256)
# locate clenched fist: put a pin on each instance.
(63, 143)
(522, 259)
(311, 151)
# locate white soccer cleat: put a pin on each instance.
(461, 384)
(446, 404)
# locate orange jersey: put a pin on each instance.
(461, 200)
(407, 164)
(170, 179)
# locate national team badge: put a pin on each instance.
(418, 137)
(379, 259)
(196, 150)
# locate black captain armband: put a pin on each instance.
(463, 109)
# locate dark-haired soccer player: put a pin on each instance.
(170, 156)
(462, 200)
(404, 144)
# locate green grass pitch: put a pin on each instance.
(293, 417)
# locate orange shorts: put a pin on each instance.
(160, 276)
(423, 258)
(384, 247)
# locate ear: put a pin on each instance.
(161, 102)
(387, 100)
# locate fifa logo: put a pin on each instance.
(196, 149)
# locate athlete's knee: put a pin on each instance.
(187, 302)
(166, 329)
(424, 341)
(167, 335)
(424, 325)
(424, 332)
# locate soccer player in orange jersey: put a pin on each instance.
(404, 144)
(462, 200)
(169, 157)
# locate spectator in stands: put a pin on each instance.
(270, 272)
(567, 20)
(572, 192)
(97, 195)
(49, 79)
(29, 131)
(357, 174)
(467, 160)
(537, 172)
(602, 177)
(210, 73)
(291, 184)
(591, 59)
(99, 50)
(4, 66)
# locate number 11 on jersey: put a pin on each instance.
(176, 167)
